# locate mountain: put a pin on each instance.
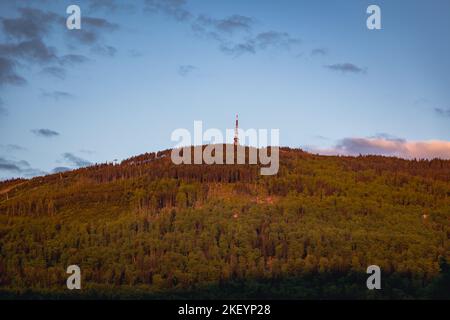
(151, 229)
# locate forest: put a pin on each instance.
(146, 228)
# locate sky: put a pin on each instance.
(138, 70)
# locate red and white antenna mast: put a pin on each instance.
(236, 132)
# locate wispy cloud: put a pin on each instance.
(27, 32)
(72, 59)
(57, 95)
(8, 74)
(92, 31)
(275, 39)
(110, 5)
(442, 112)
(26, 42)
(34, 50)
(175, 9)
(239, 49)
(388, 147)
(75, 160)
(320, 137)
(224, 30)
(319, 52)
(229, 25)
(60, 169)
(422, 101)
(86, 151)
(9, 167)
(31, 24)
(262, 41)
(135, 53)
(46, 133)
(3, 111)
(12, 148)
(346, 68)
(103, 50)
(13, 166)
(20, 168)
(185, 70)
(56, 72)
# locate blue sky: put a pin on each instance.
(137, 70)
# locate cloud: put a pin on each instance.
(370, 146)
(60, 169)
(47, 133)
(442, 112)
(57, 95)
(31, 24)
(35, 50)
(12, 148)
(238, 49)
(275, 39)
(92, 30)
(223, 30)
(8, 73)
(135, 53)
(346, 68)
(184, 70)
(3, 111)
(234, 23)
(109, 5)
(86, 151)
(108, 51)
(20, 167)
(25, 42)
(85, 37)
(28, 30)
(9, 167)
(57, 72)
(319, 52)
(389, 147)
(320, 137)
(103, 4)
(422, 101)
(229, 25)
(427, 103)
(74, 160)
(72, 59)
(262, 41)
(172, 8)
(99, 24)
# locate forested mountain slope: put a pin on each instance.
(149, 228)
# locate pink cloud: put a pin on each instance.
(389, 147)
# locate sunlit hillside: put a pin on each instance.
(149, 228)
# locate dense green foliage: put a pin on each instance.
(148, 228)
